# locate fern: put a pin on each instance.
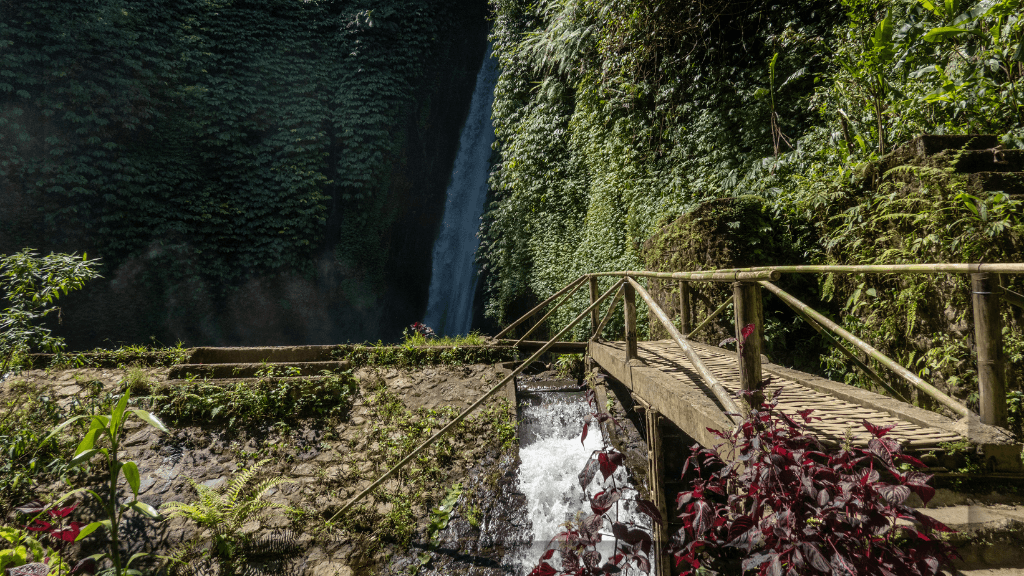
(225, 512)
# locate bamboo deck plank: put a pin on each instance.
(839, 418)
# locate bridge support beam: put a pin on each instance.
(629, 308)
(749, 332)
(988, 336)
(656, 475)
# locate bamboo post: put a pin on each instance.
(474, 406)
(871, 351)
(684, 307)
(749, 323)
(988, 334)
(595, 313)
(629, 309)
(656, 473)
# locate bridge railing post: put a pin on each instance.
(685, 322)
(988, 336)
(629, 310)
(749, 332)
(595, 313)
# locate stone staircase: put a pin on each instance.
(259, 364)
(989, 166)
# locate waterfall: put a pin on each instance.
(552, 458)
(453, 278)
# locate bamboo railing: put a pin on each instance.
(746, 284)
(987, 291)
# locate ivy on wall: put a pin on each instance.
(616, 117)
(218, 139)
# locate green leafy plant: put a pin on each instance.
(23, 548)
(225, 512)
(440, 516)
(569, 366)
(30, 285)
(109, 429)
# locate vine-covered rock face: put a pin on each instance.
(247, 172)
(726, 233)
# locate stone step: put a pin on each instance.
(250, 370)
(928, 145)
(987, 535)
(241, 355)
(1011, 183)
(972, 161)
(230, 382)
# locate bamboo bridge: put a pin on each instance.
(678, 384)
(695, 387)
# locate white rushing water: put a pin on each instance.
(453, 278)
(552, 458)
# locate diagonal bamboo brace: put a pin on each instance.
(538, 307)
(863, 346)
(475, 405)
(720, 392)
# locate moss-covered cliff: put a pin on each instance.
(248, 171)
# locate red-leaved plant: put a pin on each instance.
(784, 504)
(577, 545)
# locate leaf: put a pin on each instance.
(151, 420)
(586, 427)
(703, 515)
(33, 507)
(882, 38)
(586, 476)
(134, 557)
(144, 509)
(92, 528)
(604, 500)
(62, 426)
(131, 474)
(84, 457)
(117, 414)
(814, 556)
(609, 462)
(650, 509)
(946, 32)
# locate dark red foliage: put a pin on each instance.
(61, 533)
(787, 505)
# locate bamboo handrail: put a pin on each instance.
(539, 306)
(711, 316)
(939, 268)
(557, 305)
(853, 357)
(731, 409)
(475, 405)
(882, 359)
(608, 315)
(703, 275)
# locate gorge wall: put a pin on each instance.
(247, 171)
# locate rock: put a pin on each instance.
(333, 568)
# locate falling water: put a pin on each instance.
(453, 277)
(552, 458)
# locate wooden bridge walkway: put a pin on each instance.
(664, 378)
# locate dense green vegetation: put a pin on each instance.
(205, 145)
(615, 117)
